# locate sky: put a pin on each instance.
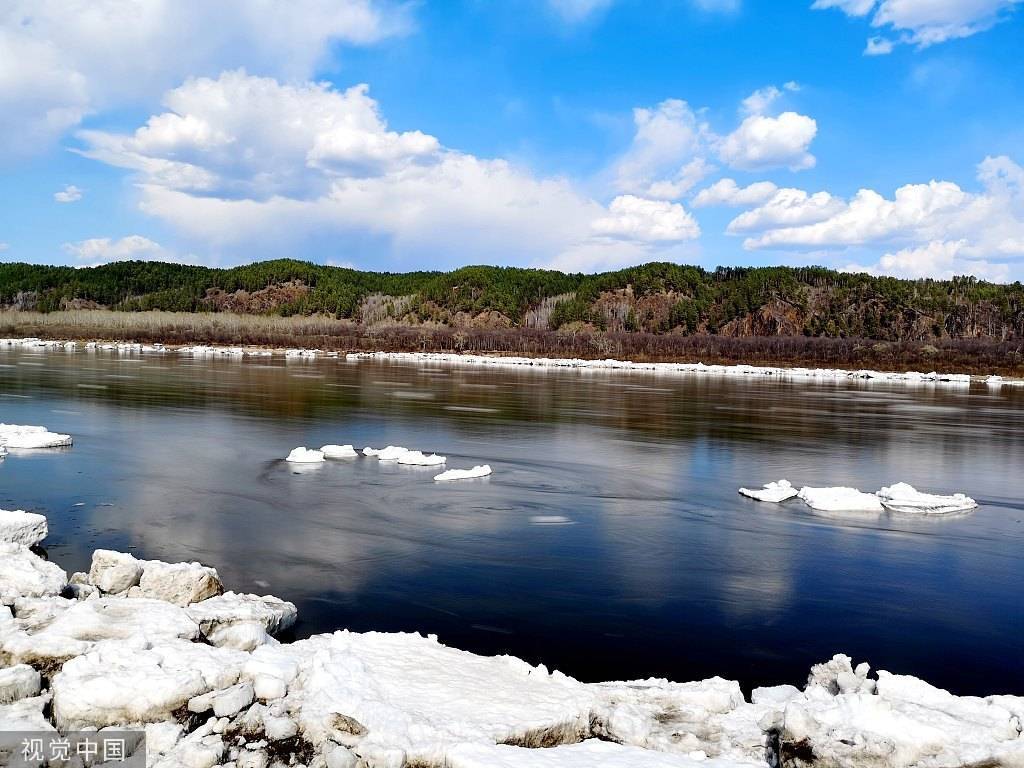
(879, 136)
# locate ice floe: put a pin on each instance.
(20, 527)
(481, 470)
(840, 499)
(420, 459)
(391, 453)
(902, 497)
(304, 455)
(775, 491)
(19, 682)
(25, 436)
(339, 452)
(242, 621)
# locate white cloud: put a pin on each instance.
(62, 59)
(70, 194)
(727, 192)
(763, 142)
(925, 22)
(635, 218)
(248, 164)
(668, 138)
(103, 250)
(940, 260)
(4, 247)
(686, 179)
(718, 6)
(984, 225)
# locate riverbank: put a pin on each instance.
(977, 357)
(536, 363)
(164, 648)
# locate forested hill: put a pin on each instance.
(657, 298)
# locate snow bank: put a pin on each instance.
(305, 456)
(742, 371)
(774, 491)
(25, 436)
(587, 754)
(338, 451)
(840, 500)
(482, 470)
(20, 527)
(24, 574)
(51, 630)
(133, 682)
(420, 459)
(902, 497)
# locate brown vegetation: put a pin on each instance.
(961, 355)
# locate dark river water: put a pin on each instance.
(610, 541)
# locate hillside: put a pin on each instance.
(656, 298)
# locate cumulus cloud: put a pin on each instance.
(103, 250)
(762, 142)
(62, 59)
(248, 163)
(70, 194)
(924, 22)
(932, 222)
(634, 218)
(667, 138)
(938, 259)
(728, 192)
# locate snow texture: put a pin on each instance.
(339, 452)
(305, 456)
(420, 459)
(902, 497)
(20, 527)
(24, 574)
(840, 500)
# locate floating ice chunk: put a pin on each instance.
(338, 452)
(420, 459)
(482, 470)
(50, 631)
(242, 621)
(775, 491)
(902, 497)
(587, 754)
(18, 682)
(127, 682)
(179, 583)
(24, 436)
(20, 527)
(391, 453)
(24, 574)
(840, 500)
(305, 456)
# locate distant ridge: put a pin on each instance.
(655, 298)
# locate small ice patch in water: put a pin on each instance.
(550, 520)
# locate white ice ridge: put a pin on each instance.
(902, 497)
(24, 436)
(840, 499)
(305, 456)
(420, 459)
(338, 452)
(909, 377)
(481, 470)
(20, 527)
(774, 491)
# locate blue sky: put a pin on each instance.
(877, 135)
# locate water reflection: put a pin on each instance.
(610, 541)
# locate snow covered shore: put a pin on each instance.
(795, 373)
(162, 646)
